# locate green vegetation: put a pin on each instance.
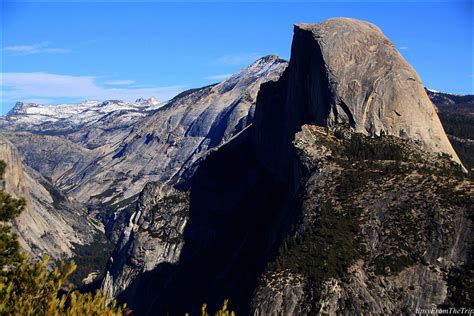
(352, 179)
(325, 250)
(32, 288)
(10, 207)
(465, 151)
(360, 147)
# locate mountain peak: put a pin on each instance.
(271, 58)
(347, 72)
(150, 101)
(262, 67)
(373, 87)
(337, 23)
(21, 107)
(268, 59)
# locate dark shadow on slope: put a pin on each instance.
(238, 218)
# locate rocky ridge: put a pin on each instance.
(154, 235)
(179, 133)
(289, 186)
(115, 154)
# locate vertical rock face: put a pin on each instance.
(14, 178)
(226, 228)
(153, 236)
(345, 71)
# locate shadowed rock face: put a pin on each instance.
(345, 71)
(184, 249)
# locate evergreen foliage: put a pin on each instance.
(323, 251)
(359, 147)
(10, 207)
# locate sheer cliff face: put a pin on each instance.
(284, 218)
(345, 71)
(14, 178)
(50, 224)
(153, 236)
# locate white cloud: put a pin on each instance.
(119, 82)
(403, 48)
(238, 59)
(46, 86)
(218, 77)
(38, 48)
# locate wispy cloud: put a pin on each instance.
(37, 48)
(88, 42)
(218, 77)
(119, 82)
(238, 59)
(50, 87)
(404, 48)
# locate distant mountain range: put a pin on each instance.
(69, 117)
(446, 102)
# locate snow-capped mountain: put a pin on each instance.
(44, 118)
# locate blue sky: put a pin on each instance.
(54, 52)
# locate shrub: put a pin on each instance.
(360, 147)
